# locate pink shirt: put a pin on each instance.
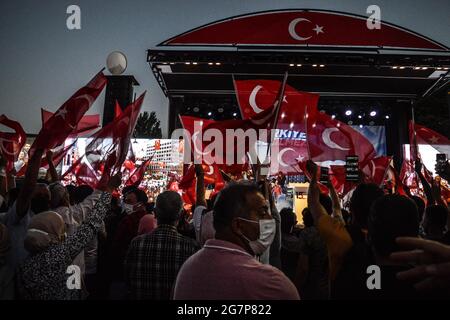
(222, 270)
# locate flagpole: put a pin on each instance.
(416, 151)
(277, 110)
(237, 96)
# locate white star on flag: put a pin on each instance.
(61, 112)
(300, 158)
(318, 29)
(434, 139)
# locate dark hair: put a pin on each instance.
(168, 207)
(71, 189)
(231, 202)
(128, 189)
(391, 216)
(326, 202)
(43, 181)
(362, 199)
(40, 203)
(141, 196)
(420, 206)
(308, 220)
(436, 216)
(81, 192)
(288, 219)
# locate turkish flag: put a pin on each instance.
(138, 174)
(65, 121)
(329, 140)
(425, 135)
(376, 169)
(339, 182)
(87, 123)
(112, 142)
(117, 110)
(256, 96)
(11, 143)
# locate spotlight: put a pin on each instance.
(283, 115)
(314, 125)
(387, 117)
(424, 68)
(416, 68)
(218, 63)
(360, 125)
(348, 112)
(338, 125)
(172, 63)
(164, 62)
(322, 65)
(299, 65)
(291, 65)
(314, 65)
(402, 67)
(360, 117)
(292, 125)
(234, 114)
(194, 62)
(373, 113)
(187, 63)
(333, 116)
(210, 63)
(209, 113)
(438, 68)
(446, 68)
(394, 67)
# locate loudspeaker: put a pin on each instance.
(118, 88)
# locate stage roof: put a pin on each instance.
(340, 56)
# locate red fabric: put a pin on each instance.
(111, 144)
(87, 123)
(256, 96)
(11, 143)
(302, 28)
(61, 124)
(138, 174)
(376, 169)
(330, 139)
(117, 110)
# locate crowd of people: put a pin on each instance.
(74, 242)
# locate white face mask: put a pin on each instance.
(128, 208)
(267, 229)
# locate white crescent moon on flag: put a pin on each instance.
(280, 156)
(292, 32)
(4, 149)
(252, 99)
(327, 139)
(211, 170)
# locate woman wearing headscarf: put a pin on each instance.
(45, 273)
